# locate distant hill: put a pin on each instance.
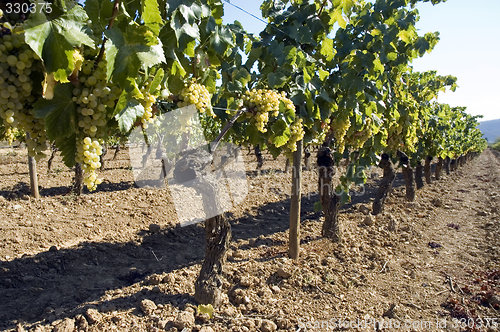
(490, 129)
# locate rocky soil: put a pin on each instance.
(117, 260)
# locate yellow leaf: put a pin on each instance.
(404, 36)
(206, 309)
(322, 74)
(337, 17)
(327, 49)
(78, 59)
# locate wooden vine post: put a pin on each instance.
(33, 174)
(294, 232)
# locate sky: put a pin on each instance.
(469, 48)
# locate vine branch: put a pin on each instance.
(116, 8)
(322, 6)
(228, 126)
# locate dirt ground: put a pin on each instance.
(100, 262)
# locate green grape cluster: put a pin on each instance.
(148, 102)
(262, 102)
(88, 152)
(94, 96)
(356, 139)
(196, 94)
(339, 128)
(401, 134)
(17, 62)
(8, 134)
(297, 130)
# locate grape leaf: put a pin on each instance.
(99, 13)
(128, 52)
(282, 137)
(59, 113)
(127, 116)
(67, 146)
(336, 16)
(156, 81)
(221, 39)
(276, 80)
(327, 49)
(54, 39)
(151, 15)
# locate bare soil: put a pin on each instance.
(95, 263)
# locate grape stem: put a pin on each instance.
(116, 7)
(194, 67)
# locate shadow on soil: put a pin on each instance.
(61, 283)
(23, 188)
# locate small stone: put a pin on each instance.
(434, 245)
(393, 225)
(155, 279)
(148, 307)
(275, 289)
(368, 220)
(264, 292)
(482, 213)
(184, 320)
(16, 207)
(230, 311)
(239, 296)
(163, 323)
(237, 254)
(93, 315)
(53, 248)
(268, 326)
(67, 325)
(437, 202)
(168, 279)
(154, 228)
(252, 242)
(364, 209)
(246, 282)
(206, 329)
(204, 318)
(283, 274)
